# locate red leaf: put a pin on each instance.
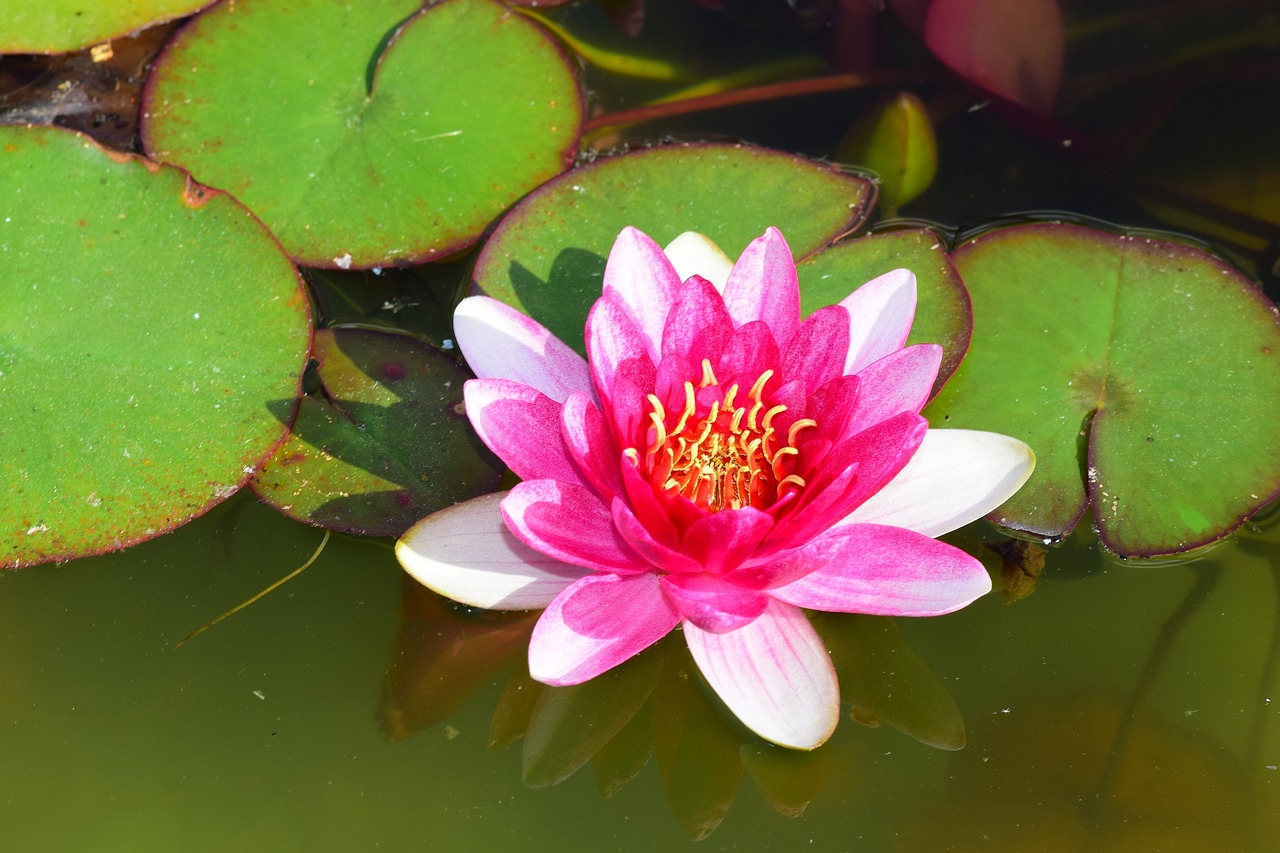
(1011, 48)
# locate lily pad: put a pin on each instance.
(151, 344)
(59, 26)
(547, 256)
(943, 315)
(388, 444)
(1144, 373)
(366, 134)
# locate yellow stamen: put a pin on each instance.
(722, 453)
(708, 375)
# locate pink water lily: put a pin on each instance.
(718, 463)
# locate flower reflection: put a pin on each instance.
(441, 656)
(652, 708)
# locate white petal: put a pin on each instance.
(880, 317)
(695, 254)
(501, 343)
(466, 553)
(774, 674)
(957, 476)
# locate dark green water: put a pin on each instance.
(1087, 726)
(1119, 707)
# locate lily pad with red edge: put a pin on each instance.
(151, 343)
(388, 444)
(943, 315)
(1145, 375)
(366, 134)
(547, 255)
(60, 26)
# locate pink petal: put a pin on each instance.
(626, 415)
(861, 467)
(886, 571)
(713, 605)
(720, 541)
(880, 317)
(692, 253)
(621, 367)
(590, 445)
(664, 514)
(899, 382)
(879, 452)
(763, 286)
(668, 386)
(956, 476)
(747, 355)
(596, 624)
(829, 406)
(522, 426)
(645, 283)
(817, 351)
(774, 674)
(467, 553)
(698, 325)
(499, 342)
(641, 540)
(569, 523)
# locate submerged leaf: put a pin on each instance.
(895, 140)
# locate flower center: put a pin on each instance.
(723, 451)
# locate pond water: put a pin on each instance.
(1117, 706)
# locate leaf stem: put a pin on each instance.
(1206, 578)
(242, 605)
(753, 94)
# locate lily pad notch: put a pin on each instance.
(390, 134)
(1144, 373)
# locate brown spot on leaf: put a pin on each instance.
(195, 194)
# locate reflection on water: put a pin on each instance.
(1119, 707)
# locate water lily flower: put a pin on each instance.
(716, 463)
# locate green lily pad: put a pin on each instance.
(151, 344)
(547, 256)
(943, 315)
(60, 26)
(366, 134)
(388, 444)
(1145, 374)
